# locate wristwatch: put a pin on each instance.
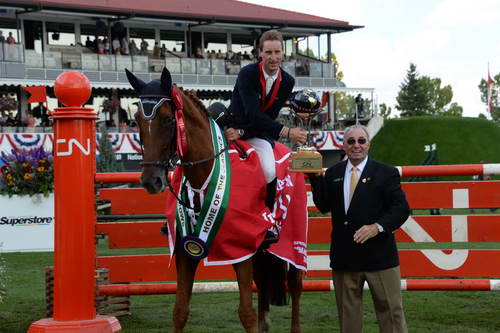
(379, 227)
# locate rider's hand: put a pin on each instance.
(232, 134)
(297, 135)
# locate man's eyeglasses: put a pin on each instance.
(352, 141)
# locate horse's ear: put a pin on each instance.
(135, 82)
(166, 79)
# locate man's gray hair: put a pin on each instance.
(353, 127)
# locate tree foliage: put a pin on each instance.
(106, 161)
(495, 99)
(384, 111)
(423, 95)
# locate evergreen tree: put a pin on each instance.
(412, 99)
(424, 96)
(106, 162)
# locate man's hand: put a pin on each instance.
(232, 134)
(297, 135)
(365, 233)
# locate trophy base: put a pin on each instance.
(306, 160)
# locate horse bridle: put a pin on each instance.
(169, 162)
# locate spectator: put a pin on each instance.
(89, 44)
(124, 46)
(2, 37)
(156, 50)
(144, 47)
(219, 55)
(163, 51)
(30, 123)
(359, 106)
(105, 46)
(134, 50)
(10, 39)
(100, 46)
(254, 53)
(198, 54)
(123, 116)
(11, 121)
(95, 43)
(3, 117)
(116, 46)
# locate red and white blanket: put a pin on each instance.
(248, 218)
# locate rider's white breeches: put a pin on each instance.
(266, 157)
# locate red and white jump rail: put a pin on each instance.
(449, 170)
(404, 171)
(307, 285)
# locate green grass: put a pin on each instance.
(459, 140)
(452, 312)
(400, 142)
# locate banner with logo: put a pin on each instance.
(26, 223)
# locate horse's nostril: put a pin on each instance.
(158, 183)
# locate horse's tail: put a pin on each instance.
(270, 274)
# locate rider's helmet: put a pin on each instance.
(305, 101)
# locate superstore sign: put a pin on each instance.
(26, 220)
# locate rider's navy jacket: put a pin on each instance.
(246, 106)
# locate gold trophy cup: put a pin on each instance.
(305, 105)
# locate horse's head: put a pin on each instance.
(156, 119)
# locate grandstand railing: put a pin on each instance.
(147, 64)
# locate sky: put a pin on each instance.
(453, 40)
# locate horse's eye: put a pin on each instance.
(167, 121)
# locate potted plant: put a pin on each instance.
(27, 200)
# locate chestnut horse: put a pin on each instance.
(160, 130)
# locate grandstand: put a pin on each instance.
(203, 43)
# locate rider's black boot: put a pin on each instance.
(272, 236)
(271, 194)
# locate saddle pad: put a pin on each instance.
(248, 218)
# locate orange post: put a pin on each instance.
(75, 217)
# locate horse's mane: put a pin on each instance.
(191, 94)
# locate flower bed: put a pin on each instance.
(28, 172)
(27, 201)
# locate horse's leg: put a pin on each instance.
(259, 276)
(186, 268)
(246, 311)
(295, 288)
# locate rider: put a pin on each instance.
(260, 92)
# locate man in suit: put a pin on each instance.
(367, 205)
(260, 93)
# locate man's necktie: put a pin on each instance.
(269, 84)
(354, 182)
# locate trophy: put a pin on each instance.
(305, 105)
